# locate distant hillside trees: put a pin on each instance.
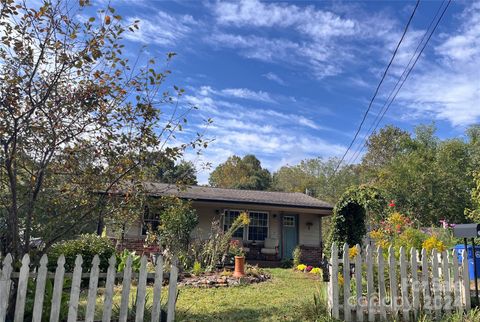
(241, 173)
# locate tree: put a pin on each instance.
(76, 121)
(164, 169)
(318, 177)
(241, 173)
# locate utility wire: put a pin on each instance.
(378, 87)
(408, 73)
(381, 113)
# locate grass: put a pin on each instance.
(288, 296)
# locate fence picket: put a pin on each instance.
(75, 291)
(127, 276)
(381, 284)
(393, 281)
(457, 292)
(109, 287)
(347, 310)
(404, 283)
(437, 296)
(415, 282)
(427, 298)
(334, 282)
(57, 289)
(22, 289)
(157, 290)
(5, 284)
(172, 291)
(141, 290)
(40, 289)
(92, 290)
(466, 282)
(358, 282)
(370, 289)
(447, 294)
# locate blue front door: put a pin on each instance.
(289, 235)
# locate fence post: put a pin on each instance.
(427, 299)
(334, 282)
(172, 290)
(437, 296)
(141, 290)
(57, 289)
(393, 281)
(92, 290)
(40, 289)
(347, 310)
(370, 288)
(157, 290)
(447, 294)
(404, 283)
(466, 281)
(109, 285)
(5, 284)
(358, 282)
(415, 282)
(22, 289)
(381, 284)
(75, 292)
(457, 302)
(127, 277)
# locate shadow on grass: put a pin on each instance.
(235, 314)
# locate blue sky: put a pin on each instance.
(291, 80)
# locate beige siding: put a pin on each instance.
(309, 237)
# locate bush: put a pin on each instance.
(87, 245)
(297, 256)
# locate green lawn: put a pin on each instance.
(288, 296)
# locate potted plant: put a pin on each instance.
(236, 250)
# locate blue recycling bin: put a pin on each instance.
(459, 249)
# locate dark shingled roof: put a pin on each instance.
(200, 193)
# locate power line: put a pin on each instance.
(379, 84)
(406, 77)
(381, 113)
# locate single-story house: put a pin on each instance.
(279, 220)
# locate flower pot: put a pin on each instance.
(239, 266)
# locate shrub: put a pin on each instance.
(122, 260)
(297, 256)
(433, 243)
(316, 271)
(87, 245)
(197, 268)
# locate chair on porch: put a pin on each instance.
(270, 248)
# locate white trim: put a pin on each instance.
(245, 229)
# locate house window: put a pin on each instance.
(228, 219)
(151, 221)
(288, 221)
(258, 227)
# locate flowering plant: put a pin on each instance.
(316, 270)
(308, 268)
(433, 243)
(235, 248)
(301, 267)
(352, 252)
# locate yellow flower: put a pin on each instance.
(352, 252)
(301, 267)
(340, 279)
(244, 218)
(433, 243)
(316, 270)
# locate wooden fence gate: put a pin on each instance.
(374, 285)
(40, 276)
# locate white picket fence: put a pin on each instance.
(41, 274)
(433, 284)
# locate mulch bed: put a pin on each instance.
(219, 279)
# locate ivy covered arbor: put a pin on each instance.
(358, 208)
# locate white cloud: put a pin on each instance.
(246, 93)
(274, 78)
(162, 29)
(307, 20)
(448, 88)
